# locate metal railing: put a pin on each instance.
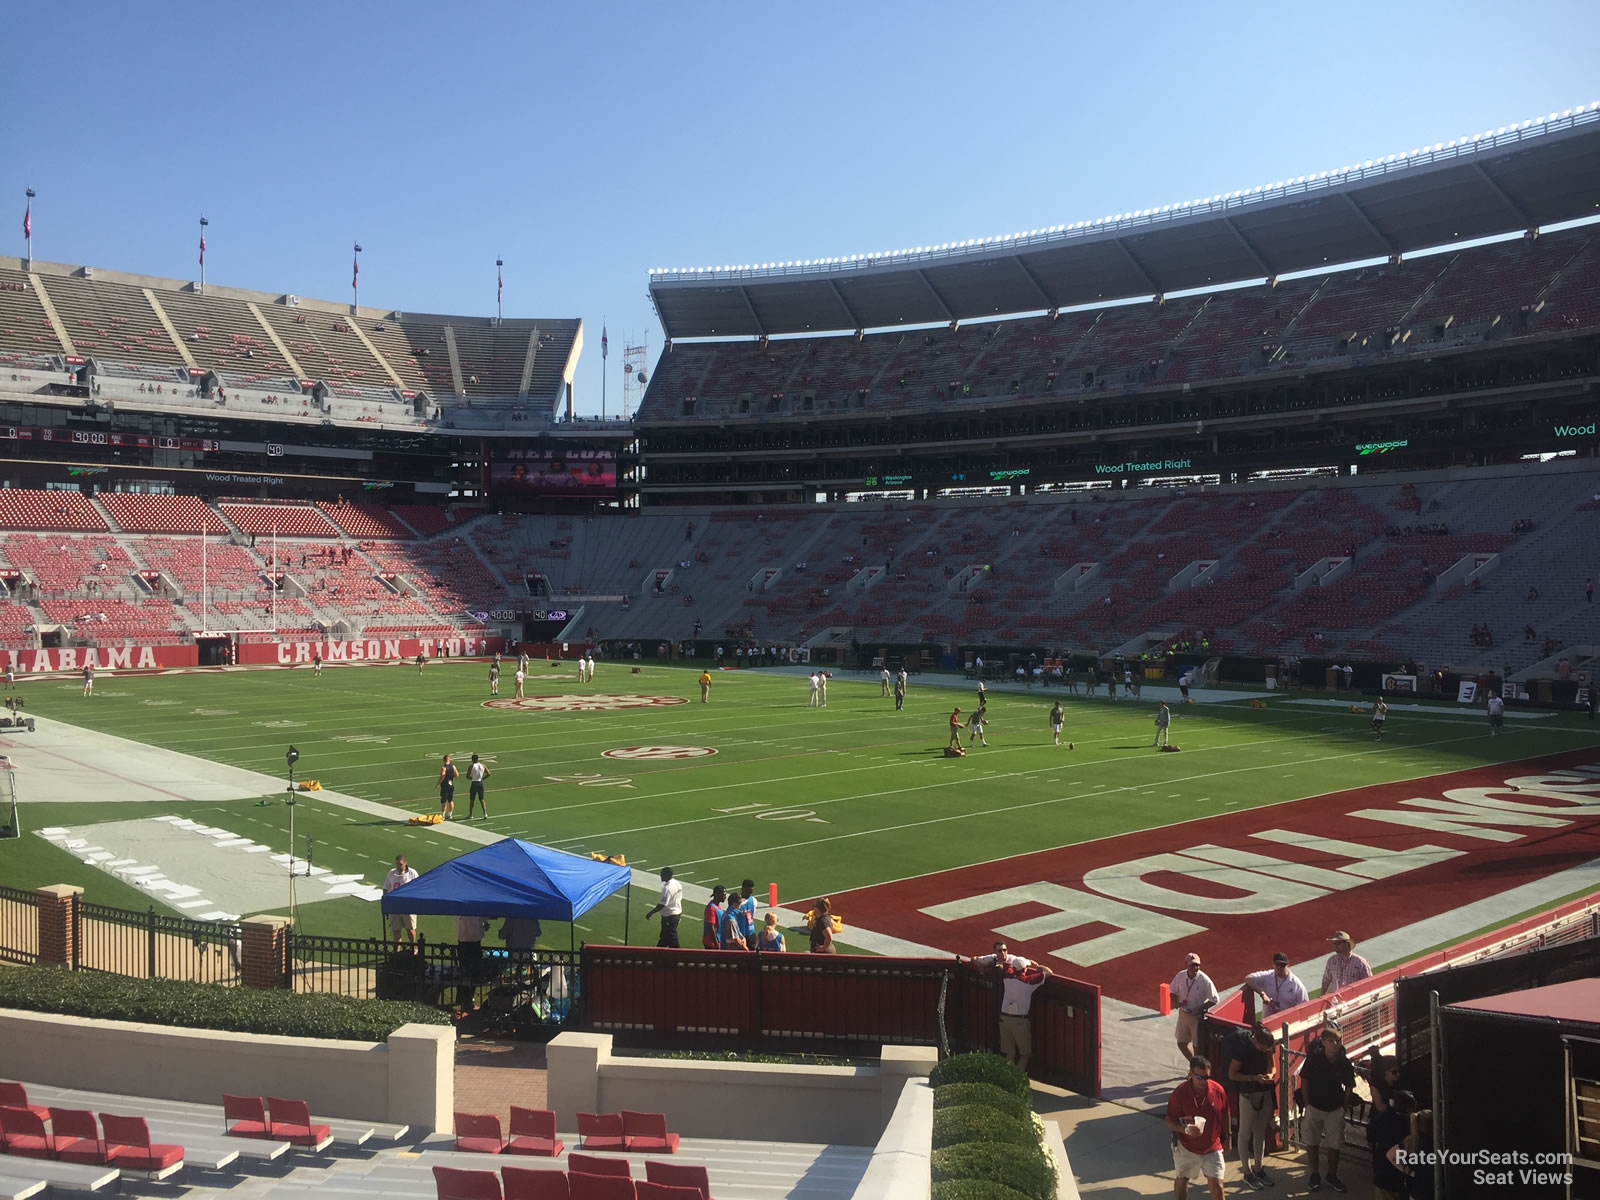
(154, 945)
(19, 926)
(526, 986)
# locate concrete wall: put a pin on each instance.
(849, 1106)
(410, 1080)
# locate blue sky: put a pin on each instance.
(588, 143)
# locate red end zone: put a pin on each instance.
(1122, 912)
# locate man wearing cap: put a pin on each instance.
(1192, 994)
(1327, 1082)
(1197, 1115)
(1018, 984)
(1343, 967)
(1280, 988)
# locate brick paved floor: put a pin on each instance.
(491, 1076)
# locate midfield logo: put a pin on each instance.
(571, 703)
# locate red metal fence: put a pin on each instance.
(710, 999)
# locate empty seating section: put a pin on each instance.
(65, 564)
(364, 521)
(325, 346)
(135, 513)
(24, 325)
(1363, 305)
(425, 519)
(23, 508)
(286, 520)
(491, 358)
(1229, 333)
(417, 352)
(1574, 298)
(1495, 281)
(223, 334)
(107, 320)
(551, 352)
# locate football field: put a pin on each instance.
(855, 800)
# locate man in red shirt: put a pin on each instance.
(1197, 1114)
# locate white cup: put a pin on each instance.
(1199, 1124)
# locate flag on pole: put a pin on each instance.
(355, 270)
(605, 345)
(202, 249)
(499, 285)
(27, 221)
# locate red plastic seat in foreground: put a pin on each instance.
(647, 1132)
(452, 1183)
(645, 1190)
(14, 1095)
(479, 1133)
(291, 1122)
(530, 1183)
(533, 1131)
(22, 1132)
(128, 1146)
(77, 1136)
(588, 1164)
(599, 1187)
(245, 1116)
(679, 1175)
(601, 1131)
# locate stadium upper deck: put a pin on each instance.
(163, 345)
(1524, 176)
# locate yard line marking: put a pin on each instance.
(983, 813)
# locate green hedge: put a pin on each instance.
(1010, 1166)
(981, 1068)
(980, 1123)
(975, 1189)
(953, 1094)
(208, 1005)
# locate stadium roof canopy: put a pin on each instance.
(1521, 177)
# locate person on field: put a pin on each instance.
(1163, 725)
(670, 906)
(1056, 717)
(900, 691)
(705, 686)
(448, 774)
(711, 921)
(955, 729)
(477, 772)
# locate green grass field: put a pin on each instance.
(818, 800)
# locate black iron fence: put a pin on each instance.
(154, 945)
(522, 986)
(19, 926)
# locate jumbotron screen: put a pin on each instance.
(554, 472)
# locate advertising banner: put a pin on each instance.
(554, 472)
(378, 649)
(102, 658)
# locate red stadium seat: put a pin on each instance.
(599, 1187)
(128, 1147)
(479, 1133)
(77, 1136)
(533, 1131)
(529, 1183)
(453, 1183)
(601, 1131)
(589, 1164)
(688, 1175)
(245, 1116)
(291, 1122)
(23, 1132)
(14, 1095)
(647, 1132)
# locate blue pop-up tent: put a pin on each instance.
(511, 878)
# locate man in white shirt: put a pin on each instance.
(670, 906)
(399, 923)
(1497, 715)
(1016, 1030)
(1344, 967)
(886, 681)
(1192, 994)
(812, 703)
(1280, 988)
(476, 774)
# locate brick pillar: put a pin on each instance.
(58, 924)
(266, 951)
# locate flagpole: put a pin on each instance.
(272, 576)
(203, 581)
(605, 353)
(499, 287)
(355, 280)
(27, 226)
(203, 224)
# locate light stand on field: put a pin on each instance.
(291, 757)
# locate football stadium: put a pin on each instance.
(1202, 586)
